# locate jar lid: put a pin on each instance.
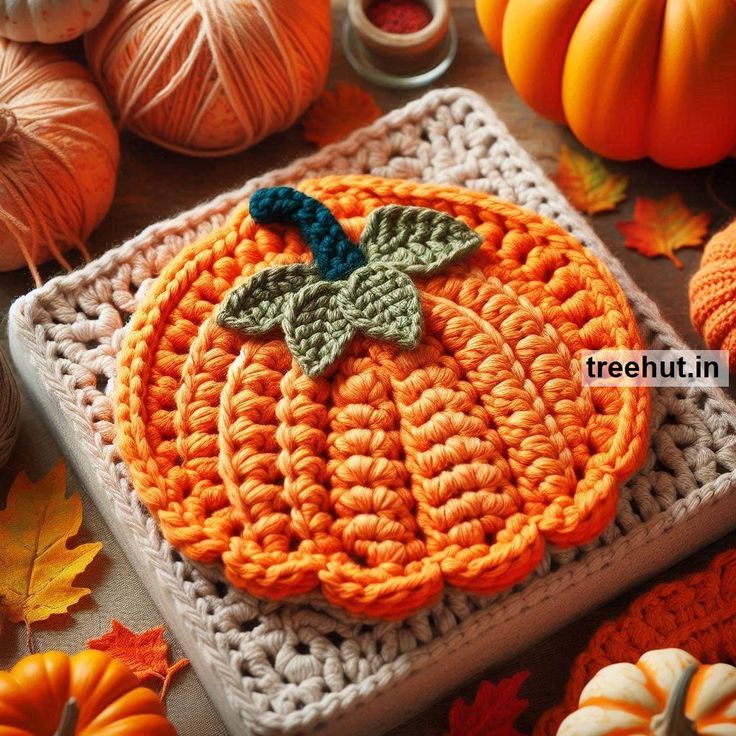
(400, 60)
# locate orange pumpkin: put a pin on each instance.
(632, 78)
(448, 448)
(89, 694)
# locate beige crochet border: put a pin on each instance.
(64, 338)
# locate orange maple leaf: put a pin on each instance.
(38, 568)
(659, 228)
(339, 112)
(493, 712)
(147, 653)
(588, 184)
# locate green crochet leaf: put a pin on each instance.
(315, 328)
(383, 303)
(416, 240)
(257, 306)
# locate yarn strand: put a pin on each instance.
(209, 78)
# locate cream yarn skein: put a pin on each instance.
(211, 77)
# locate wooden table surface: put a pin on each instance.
(154, 184)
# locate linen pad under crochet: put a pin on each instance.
(378, 454)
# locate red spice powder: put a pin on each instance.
(399, 16)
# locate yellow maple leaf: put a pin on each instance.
(339, 112)
(38, 568)
(588, 184)
(659, 228)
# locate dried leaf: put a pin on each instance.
(493, 712)
(339, 112)
(38, 569)
(147, 653)
(659, 228)
(588, 184)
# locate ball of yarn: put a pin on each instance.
(211, 77)
(713, 294)
(9, 409)
(58, 155)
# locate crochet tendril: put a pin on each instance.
(347, 289)
(335, 255)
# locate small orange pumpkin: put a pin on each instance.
(632, 78)
(410, 425)
(89, 694)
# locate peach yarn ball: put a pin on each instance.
(713, 294)
(58, 156)
(211, 77)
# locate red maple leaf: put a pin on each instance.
(146, 654)
(493, 712)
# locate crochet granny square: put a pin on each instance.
(401, 432)
(306, 666)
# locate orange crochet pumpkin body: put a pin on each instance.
(398, 470)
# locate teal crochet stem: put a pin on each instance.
(335, 255)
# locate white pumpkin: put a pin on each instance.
(49, 21)
(666, 693)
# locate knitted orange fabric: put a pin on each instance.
(399, 470)
(695, 613)
(713, 294)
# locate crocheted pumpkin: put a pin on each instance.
(377, 419)
(713, 294)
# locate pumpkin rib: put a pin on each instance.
(137, 703)
(299, 483)
(263, 558)
(551, 519)
(448, 452)
(535, 32)
(693, 111)
(370, 494)
(386, 568)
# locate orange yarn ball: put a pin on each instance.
(58, 156)
(211, 77)
(713, 294)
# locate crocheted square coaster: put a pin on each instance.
(302, 666)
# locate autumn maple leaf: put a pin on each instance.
(588, 184)
(146, 654)
(339, 112)
(38, 570)
(659, 228)
(493, 712)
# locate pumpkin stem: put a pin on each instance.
(69, 717)
(335, 255)
(673, 721)
(8, 123)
